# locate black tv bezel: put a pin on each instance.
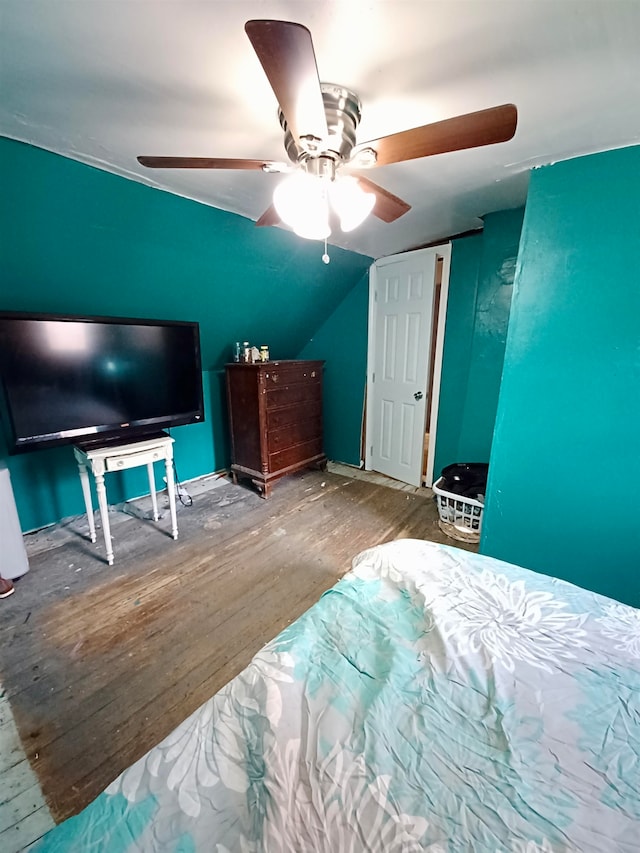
(107, 433)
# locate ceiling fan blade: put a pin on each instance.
(269, 217)
(485, 127)
(207, 163)
(285, 51)
(388, 207)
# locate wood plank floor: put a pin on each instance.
(100, 663)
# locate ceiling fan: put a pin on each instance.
(319, 121)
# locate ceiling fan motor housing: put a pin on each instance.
(342, 109)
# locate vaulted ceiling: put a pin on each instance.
(106, 80)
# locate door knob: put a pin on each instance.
(417, 395)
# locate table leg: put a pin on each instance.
(152, 489)
(104, 514)
(86, 491)
(171, 489)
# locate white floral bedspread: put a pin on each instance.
(433, 700)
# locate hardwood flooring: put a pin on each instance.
(100, 663)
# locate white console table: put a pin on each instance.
(101, 460)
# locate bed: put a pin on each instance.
(433, 700)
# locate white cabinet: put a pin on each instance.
(13, 554)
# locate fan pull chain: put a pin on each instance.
(325, 257)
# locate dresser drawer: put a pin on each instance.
(283, 374)
(296, 455)
(278, 417)
(297, 433)
(298, 393)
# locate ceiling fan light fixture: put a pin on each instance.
(301, 202)
(350, 202)
(313, 228)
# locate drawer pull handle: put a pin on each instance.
(274, 377)
(313, 374)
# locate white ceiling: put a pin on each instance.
(102, 81)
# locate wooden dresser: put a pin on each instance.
(275, 416)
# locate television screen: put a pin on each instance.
(69, 379)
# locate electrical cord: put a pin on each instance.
(184, 498)
(181, 492)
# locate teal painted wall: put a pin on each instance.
(564, 482)
(79, 240)
(480, 290)
(456, 355)
(342, 342)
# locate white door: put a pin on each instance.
(400, 342)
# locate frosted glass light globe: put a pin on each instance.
(301, 202)
(350, 202)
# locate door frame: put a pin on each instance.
(443, 251)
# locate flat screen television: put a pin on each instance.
(73, 379)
